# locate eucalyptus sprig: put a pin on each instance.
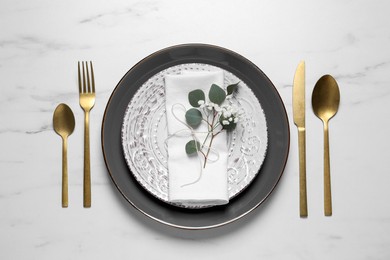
(217, 114)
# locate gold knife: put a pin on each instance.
(299, 120)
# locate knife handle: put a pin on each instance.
(302, 172)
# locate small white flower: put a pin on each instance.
(227, 114)
(210, 106)
(235, 120)
(230, 119)
(200, 102)
(225, 122)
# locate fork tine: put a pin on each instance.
(92, 78)
(80, 90)
(88, 81)
(84, 85)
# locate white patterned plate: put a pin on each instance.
(144, 132)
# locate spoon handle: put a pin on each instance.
(64, 172)
(327, 188)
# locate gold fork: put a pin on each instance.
(87, 101)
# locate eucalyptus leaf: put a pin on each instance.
(231, 88)
(192, 147)
(216, 94)
(195, 96)
(193, 117)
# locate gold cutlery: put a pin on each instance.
(299, 120)
(87, 101)
(63, 124)
(325, 102)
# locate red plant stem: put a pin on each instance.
(212, 138)
(208, 151)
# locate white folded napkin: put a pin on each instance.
(184, 171)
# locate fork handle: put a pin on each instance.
(87, 163)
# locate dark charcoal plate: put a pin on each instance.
(254, 194)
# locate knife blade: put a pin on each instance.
(299, 120)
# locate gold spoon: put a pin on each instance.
(63, 123)
(325, 101)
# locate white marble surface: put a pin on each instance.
(40, 43)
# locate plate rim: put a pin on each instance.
(207, 46)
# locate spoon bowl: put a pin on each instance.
(63, 120)
(325, 102)
(63, 124)
(326, 98)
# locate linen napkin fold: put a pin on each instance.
(189, 182)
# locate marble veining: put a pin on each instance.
(40, 44)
